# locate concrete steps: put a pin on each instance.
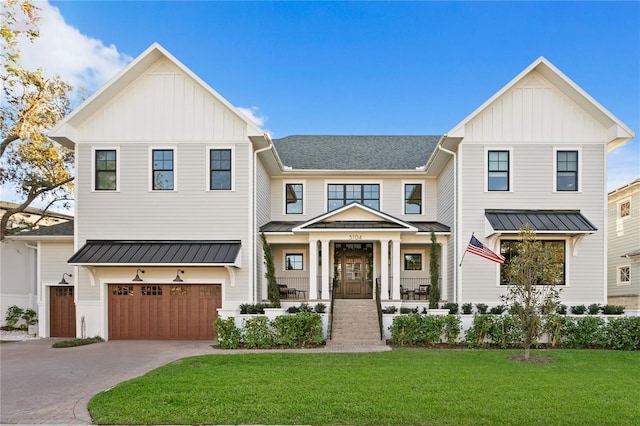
(355, 322)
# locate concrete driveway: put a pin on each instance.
(40, 384)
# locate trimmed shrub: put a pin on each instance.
(14, 313)
(257, 333)
(477, 335)
(612, 310)
(578, 309)
(409, 310)
(497, 310)
(228, 333)
(467, 308)
(481, 308)
(418, 330)
(77, 342)
(623, 333)
(299, 330)
(586, 332)
(452, 307)
(389, 310)
(594, 309)
(320, 308)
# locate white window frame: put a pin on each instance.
(421, 252)
(619, 209)
(208, 166)
(555, 168)
(422, 195)
(486, 168)
(175, 167)
(302, 182)
(115, 148)
(286, 252)
(618, 270)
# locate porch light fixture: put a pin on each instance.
(63, 281)
(177, 279)
(137, 277)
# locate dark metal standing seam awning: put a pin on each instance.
(569, 222)
(115, 253)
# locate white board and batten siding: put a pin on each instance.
(165, 108)
(532, 119)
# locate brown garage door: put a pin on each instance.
(163, 311)
(62, 312)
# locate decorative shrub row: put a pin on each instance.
(418, 330)
(569, 332)
(295, 331)
(481, 308)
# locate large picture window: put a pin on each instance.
(342, 194)
(105, 168)
(220, 169)
(498, 171)
(413, 198)
(567, 171)
(162, 166)
(509, 249)
(413, 262)
(294, 198)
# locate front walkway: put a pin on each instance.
(40, 384)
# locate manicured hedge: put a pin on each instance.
(293, 331)
(418, 330)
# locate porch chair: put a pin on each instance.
(286, 291)
(404, 293)
(423, 290)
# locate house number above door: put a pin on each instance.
(355, 236)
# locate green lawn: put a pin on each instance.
(404, 386)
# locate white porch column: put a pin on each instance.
(395, 264)
(384, 269)
(444, 249)
(325, 268)
(313, 269)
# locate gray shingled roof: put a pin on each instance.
(539, 220)
(156, 252)
(355, 152)
(61, 229)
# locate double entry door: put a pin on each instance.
(353, 272)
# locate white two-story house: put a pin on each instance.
(175, 185)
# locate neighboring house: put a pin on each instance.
(18, 258)
(174, 185)
(624, 246)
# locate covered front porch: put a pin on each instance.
(341, 253)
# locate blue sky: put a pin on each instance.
(370, 67)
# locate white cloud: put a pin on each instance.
(253, 113)
(61, 49)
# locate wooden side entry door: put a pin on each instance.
(62, 312)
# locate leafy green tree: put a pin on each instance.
(434, 269)
(531, 293)
(31, 104)
(273, 292)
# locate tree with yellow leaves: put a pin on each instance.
(31, 104)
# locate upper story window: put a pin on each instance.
(294, 196)
(498, 171)
(162, 169)
(339, 195)
(509, 249)
(624, 209)
(566, 170)
(105, 170)
(220, 169)
(413, 198)
(293, 262)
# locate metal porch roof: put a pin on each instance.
(108, 252)
(540, 220)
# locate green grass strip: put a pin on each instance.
(404, 386)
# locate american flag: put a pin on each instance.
(477, 248)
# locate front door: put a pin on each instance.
(62, 311)
(353, 276)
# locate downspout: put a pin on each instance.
(35, 286)
(456, 219)
(254, 261)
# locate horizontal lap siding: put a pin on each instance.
(531, 120)
(165, 108)
(624, 237)
(53, 261)
(446, 216)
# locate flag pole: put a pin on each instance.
(465, 252)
